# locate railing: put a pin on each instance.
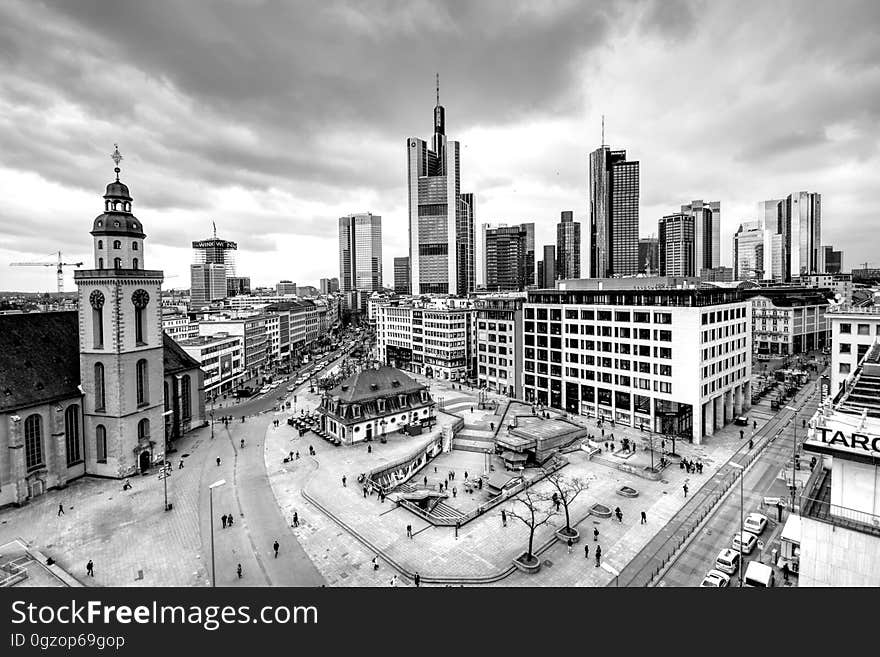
(16, 574)
(840, 516)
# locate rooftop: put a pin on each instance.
(816, 504)
(372, 383)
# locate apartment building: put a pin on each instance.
(222, 360)
(499, 343)
(433, 338)
(252, 331)
(675, 360)
(853, 331)
(788, 320)
(179, 325)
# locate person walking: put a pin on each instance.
(644, 518)
(365, 492)
(218, 461)
(229, 520)
(685, 489)
(343, 481)
(394, 580)
(180, 467)
(223, 520)
(454, 491)
(90, 569)
(295, 519)
(296, 456)
(242, 443)
(598, 555)
(60, 509)
(275, 547)
(417, 579)
(751, 443)
(503, 518)
(238, 570)
(409, 531)
(741, 434)
(570, 545)
(587, 551)
(619, 514)
(595, 534)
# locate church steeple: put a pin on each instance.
(118, 235)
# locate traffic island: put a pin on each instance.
(627, 491)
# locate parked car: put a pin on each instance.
(749, 542)
(715, 578)
(742, 421)
(759, 575)
(264, 390)
(727, 561)
(291, 388)
(755, 523)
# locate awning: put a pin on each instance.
(513, 456)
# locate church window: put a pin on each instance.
(71, 434)
(140, 299)
(117, 244)
(96, 299)
(99, 387)
(117, 263)
(143, 431)
(134, 263)
(134, 246)
(185, 397)
(100, 263)
(143, 393)
(33, 441)
(101, 443)
(100, 244)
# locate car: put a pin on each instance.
(291, 388)
(264, 390)
(742, 421)
(755, 523)
(727, 561)
(715, 579)
(274, 385)
(749, 541)
(759, 575)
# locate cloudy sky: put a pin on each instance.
(274, 118)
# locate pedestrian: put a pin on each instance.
(619, 514)
(223, 520)
(804, 423)
(685, 488)
(229, 520)
(180, 466)
(297, 456)
(465, 474)
(369, 449)
(740, 434)
(60, 509)
(570, 545)
(663, 445)
(275, 547)
(409, 531)
(218, 461)
(238, 570)
(681, 464)
(242, 443)
(751, 443)
(598, 555)
(472, 409)
(491, 426)
(365, 492)
(435, 469)
(426, 481)
(785, 571)
(587, 551)
(90, 569)
(394, 580)
(376, 562)
(417, 579)
(503, 518)
(454, 491)
(343, 481)
(754, 424)
(295, 519)
(644, 518)
(595, 533)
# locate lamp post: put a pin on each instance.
(614, 572)
(742, 476)
(166, 414)
(793, 453)
(212, 417)
(211, 488)
(382, 424)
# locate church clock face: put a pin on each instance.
(140, 298)
(96, 298)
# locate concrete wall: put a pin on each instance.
(834, 556)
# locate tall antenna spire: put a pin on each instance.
(214, 224)
(438, 88)
(603, 129)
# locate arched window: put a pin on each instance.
(33, 441)
(117, 244)
(100, 244)
(99, 387)
(100, 263)
(167, 398)
(71, 433)
(134, 246)
(96, 299)
(117, 263)
(140, 299)
(134, 263)
(143, 392)
(185, 397)
(143, 431)
(101, 443)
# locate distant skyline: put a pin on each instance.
(275, 120)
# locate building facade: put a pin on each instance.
(568, 247)
(707, 234)
(676, 235)
(801, 223)
(675, 360)
(853, 331)
(499, 343)
(441, 218)
(787, 321)
(509, 257)
(252, 331)
(221, 358)
(649, 255)
(284, 288)
(748, 251)
(614, 214)
(360, 252)
(401, 275)
(207, 284)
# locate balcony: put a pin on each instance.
(815, 504)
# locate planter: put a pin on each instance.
(627, 491)
(529, 568)
(563, 536)
(600, 510)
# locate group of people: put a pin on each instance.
(226, 520)
(691, 466)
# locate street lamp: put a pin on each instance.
(211, 488)
(166, 414)
(614, 572)
(742, 476)
(212, 417)
(793, 452)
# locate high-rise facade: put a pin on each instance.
(613, 246)
(208, 284)
(676, 238)
(802, 228)
(401, 275)
(568, 247)
(829, 261)
(509, 257)
(441, 218)
(649, 256)
(360, 252)
(285, 287)
(547, 268)
(707, 233)
(748, 251)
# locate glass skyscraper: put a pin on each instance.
(509, 257)
(568, 247)
(360, 252)
(707, 234)
(613, 247)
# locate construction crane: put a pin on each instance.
(59, 264)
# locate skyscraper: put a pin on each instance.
(213, 258)
(401, 275)
(801, 225)
(707, 233)
(649, 256)
(676, 236)
(748, 251)
(509, 257)
(360, 252)
(613, 246)
(441, 218)
(568, 246)
(547, 268)
(829, 261)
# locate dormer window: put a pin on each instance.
(401, 399)
(356, 410)
(381, 405)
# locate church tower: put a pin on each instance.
(120, 343)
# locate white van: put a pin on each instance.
(759, 575)
(727, 561)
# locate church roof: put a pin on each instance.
(39, 359)
(371, 384)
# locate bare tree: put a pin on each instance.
(531, 515)
(567, 490)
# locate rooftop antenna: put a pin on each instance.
(438, 88)
(117, 158)
(214, 224)
(603, 130)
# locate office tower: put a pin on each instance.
(207, 284)
(334, 285)
(769, 215)
(649, 257)
(209, 254)
(829, 261)
(547, 273)
(285, 287)
(509, 257)
(360, 252)
(676, 235)
(324, 285)
(748, 251)
(237, 285)
(441, 218)
(539, 273)
(774, 256)
(568, 247)
(707, 233)
(613, 244)
(801, 227)
(401, 275)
